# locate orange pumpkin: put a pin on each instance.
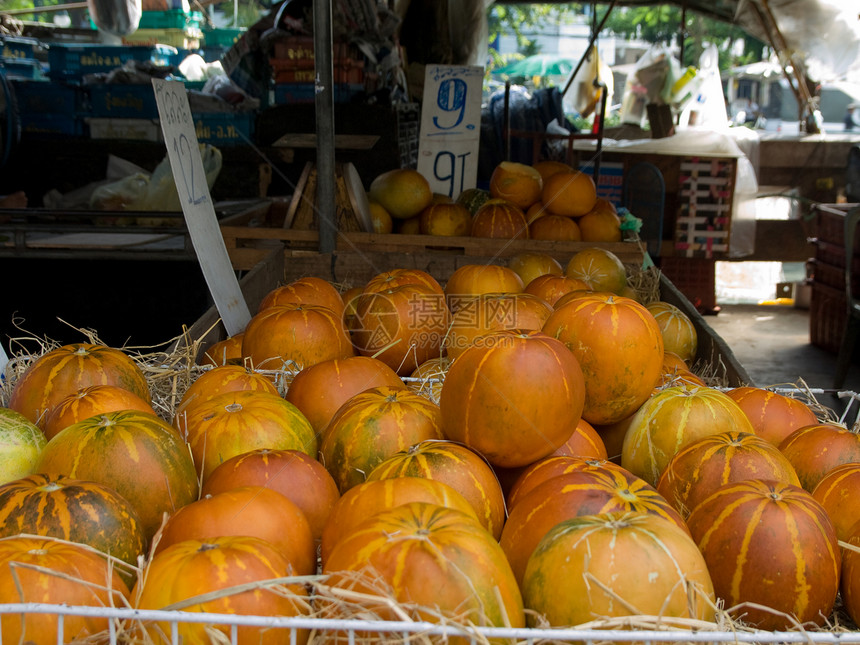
(387, 280)
(202, 568)
(364, 500)
(471, 280)
(531, 265)
(771, 544)
(305, 291)
(247, 510)
(89, 401)
(224, 352)
(402, 327)
(817, 449)
(551, 287)
(298, 477)
(849, 583)
(583, 492)
(373, 425)
(498, 218)
(604, 565)
(456, 465)
(517, 183)
(619, 347)
(514, 398)
(218, 429)
(679, 334)
(599, 268)
(671, 420)
(772, 415)
(293, 337)
(492, 312)
(555, 227)
(600, 226)
(441, 558)
(839, 493)
(704, 465)
(220, 380)
(445, 219)
(65, 370)
(428, 377)
(319, 390)
(45, 570)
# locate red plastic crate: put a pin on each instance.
(695, 278)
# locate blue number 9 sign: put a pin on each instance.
(450, 127)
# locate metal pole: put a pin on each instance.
(324, 89)
(595, 32)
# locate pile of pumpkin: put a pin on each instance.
(547, 201)
(515, 448)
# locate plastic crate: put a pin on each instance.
(303, 93)
(695, 278)
(117, 100)
(179, 38)
(827, 316)
(124, 129)
(27, 68)
(285, 72)
(37, 125)
(223, 129)
(295, 48)
(47, 97)
(18, 47)
(170, 19)
(221, 37)
(70, 62)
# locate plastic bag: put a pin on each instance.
(708, 108)
(586, 94)
(117, 17)
(647, 84)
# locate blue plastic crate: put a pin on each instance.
(27, 68)
(119, 100)
(222, 129)
(47, 97)
(71, 62)
(18, 47)
(50, 126)
(303, 93)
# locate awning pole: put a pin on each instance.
(324, 101)
(591, 42)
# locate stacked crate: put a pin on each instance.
(293, 71)
(828, 307)
(175, 27)
(18, 58)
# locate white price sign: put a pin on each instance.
(450, 127)
(186, 163)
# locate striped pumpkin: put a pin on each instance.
(849, 583)
(498, 218)
(471, 280)
(839, 493)
(772, 415)
(673, 419)
(195, 568)
(224, 352)
(369, 498)
(617, 564)
(74, 510)
(236, 422)
(372, 426)
(398, 277)
(456, 465)
(441, 558)
(135, 453)
(514, 398)
(55, 572)
(586, 492)
(67, 369)
(619, 347)
(293, 337)
(309, 290)
(703, 466)
(817, 449)
(90, 401)
(679, 333)
(769, 544)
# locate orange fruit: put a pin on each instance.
(555, 227)
(439, 198)
(517, 183)
(547, 168)
(411, 226)
(535, 211)
(569, 193)
(500, 218)
(532, 265)
(403, 192)
(603, 205)
(382, 222)
(600, 226)
(598, 268)
(445, 219)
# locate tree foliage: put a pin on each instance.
(519, 19)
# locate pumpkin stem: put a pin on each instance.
(50, 487)
(233, 407)
(207, 547)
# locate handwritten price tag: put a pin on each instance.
(186, 163)
(450, 132)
